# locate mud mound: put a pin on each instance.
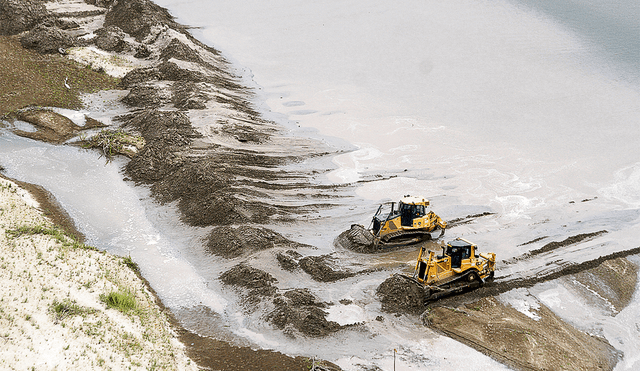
(52, 127)
(258, 282)
(111, 39)
(147, 96)
(244, 133)
(138, 18)
(300, 310)
(231, 242)
(17, 16)
(172, 72)
(178, 50)
(357, 238)
(321, 268)
(153, 163)
(400, 295)
(188, 95)
(140, 76)
(288, 260)
(173, 128)
(511, 337)
(46, 40)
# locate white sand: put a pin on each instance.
(37, 270)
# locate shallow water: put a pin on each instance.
(520, 108)
(525, 109)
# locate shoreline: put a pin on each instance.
(58, 316)
(183, 161)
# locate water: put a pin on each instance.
(513, 107)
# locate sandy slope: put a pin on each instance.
(40, 269)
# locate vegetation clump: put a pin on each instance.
(122, 300)
(68, 308)
(64, 238)
(115, 142)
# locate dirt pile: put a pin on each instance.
(323, 268)
(232, 242)
(111, 39)
(258, 283)
(46, 39)
(140, 18)
(17, 16)
(358, 239)
(401, 295)
(519, 341)
(288, 260)
(300, 310)
(296, 311)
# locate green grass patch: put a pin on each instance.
(66, 308)
(57, 233)
(122, 300)
(32, 79)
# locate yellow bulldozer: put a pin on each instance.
(394, 224)
(458, 269)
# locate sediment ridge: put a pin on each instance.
(207, 148)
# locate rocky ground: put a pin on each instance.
(195, 137)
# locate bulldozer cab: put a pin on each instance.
(458, 250)
(409, 212)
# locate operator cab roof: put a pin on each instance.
(414, 200)
(459, 243)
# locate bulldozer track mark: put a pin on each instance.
(467, 219)
(553, 245)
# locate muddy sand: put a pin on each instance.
(234, 161)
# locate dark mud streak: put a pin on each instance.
(554, 245)
(467, 219)
(533, 241)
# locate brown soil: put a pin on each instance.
(232, 242)
(401, 295)
(32, 79)
(614, 280)
(296, 311)
(523, 343)
(323, 268)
